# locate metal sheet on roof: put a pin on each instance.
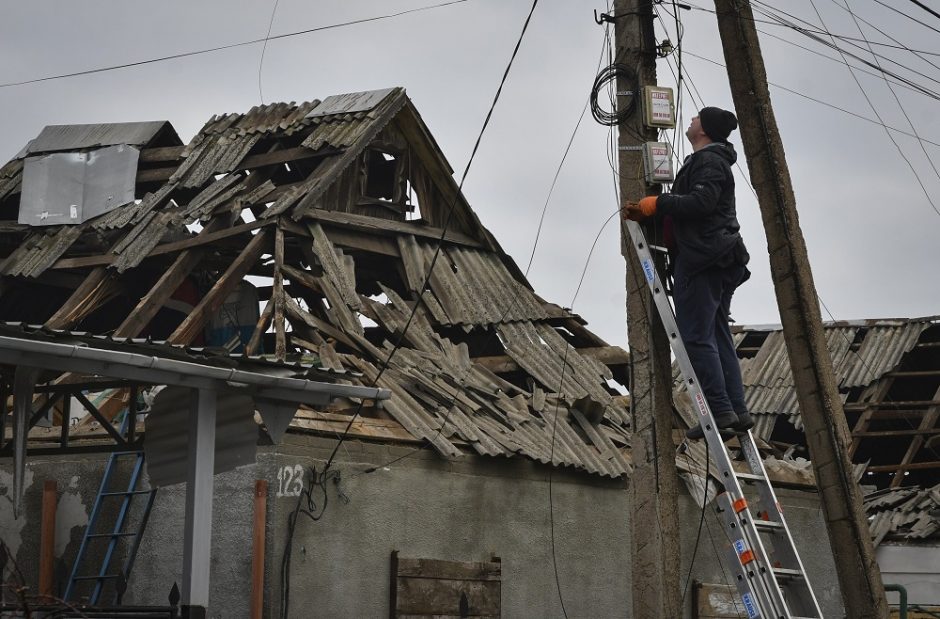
(70, 188)
(55, 138)
(350, 103)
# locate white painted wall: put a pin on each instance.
(917, 568)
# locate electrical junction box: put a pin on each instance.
(657, 163)
(659, 107)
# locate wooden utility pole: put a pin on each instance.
(654, 484)
(827, 433)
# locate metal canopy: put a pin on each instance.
(205, 384)
(157, 370)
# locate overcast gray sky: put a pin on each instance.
(869, 226)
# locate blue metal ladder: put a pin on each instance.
(117, 532)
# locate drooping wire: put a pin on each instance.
(515, 299)
(897, 99)
(440, 243)
(878, 116)
(326, 472)
(926, 8)
(306, 506)
(913, 19)
(229, 46)
(821, 102)
(264, 48)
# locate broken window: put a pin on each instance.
(382, 175)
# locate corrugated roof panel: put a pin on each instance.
(880, 352)
(474, 287)
(351, 102)
(74, 137)
(768, 380)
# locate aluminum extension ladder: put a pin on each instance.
(766, 567)
(89, 550)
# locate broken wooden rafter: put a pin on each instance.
(263, 321)
(97, 289)
(280, 338)
(193, 324)
(166, 248)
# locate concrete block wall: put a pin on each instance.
(471, 509)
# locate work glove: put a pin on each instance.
(638, 211)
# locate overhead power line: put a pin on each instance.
(821, 102)
(220, 48)
(926, 8)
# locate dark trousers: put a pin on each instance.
(703, 304)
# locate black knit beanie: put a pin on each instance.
(717, 123)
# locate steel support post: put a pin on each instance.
(200, 465)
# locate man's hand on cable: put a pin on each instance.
(638, 211)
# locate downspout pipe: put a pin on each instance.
(902, 592)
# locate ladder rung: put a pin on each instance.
(768, 525)
(126, 493)
(128, 534)
(105, 577)
(750, 477)
(787, 573)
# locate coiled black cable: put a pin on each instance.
(617, 115)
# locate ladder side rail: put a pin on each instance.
(770, 503)
(132, 551)
(118, 527)
(90, 527)
(750, 579)
(773, 597)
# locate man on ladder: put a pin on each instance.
(709, 260)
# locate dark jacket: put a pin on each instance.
(701, 206)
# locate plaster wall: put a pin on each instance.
(472, 509)
(917, 568)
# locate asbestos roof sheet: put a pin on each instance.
(55, 138)
(350, 103)
(330, 275)
(904, 513)
(861, 354)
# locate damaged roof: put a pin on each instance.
(364, 255)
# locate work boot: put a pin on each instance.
(745, 422)
(725, 420)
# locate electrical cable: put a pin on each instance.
(878, 116)
(812, 33)
(913, 19)
(768, 11)
(514, 301)
(440, 243)
(229, 46)
(611, 74)
(825, 103)
(314, 513)
(897, 99)
(264, 48)
(926, 8)
(701, 521)
(324, 475)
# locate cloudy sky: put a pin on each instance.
(870, 227)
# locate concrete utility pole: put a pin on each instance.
(827, 433)
(654, 485)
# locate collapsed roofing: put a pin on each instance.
(888, 376)
(334, 209)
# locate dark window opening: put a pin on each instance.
(382, 172)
